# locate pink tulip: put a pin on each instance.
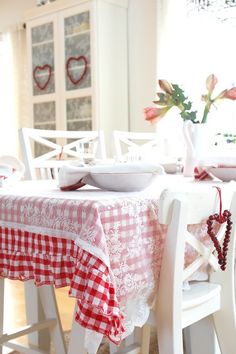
(231, 93)
(221, 95)
(211, 82)
(153, 114)
(166, 86)
(172, 95)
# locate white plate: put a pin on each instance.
(122, 182)
(225, 174)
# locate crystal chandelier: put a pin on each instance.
(222, 10)
(211, 4)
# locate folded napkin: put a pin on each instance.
(72, 177)
(201, 174)
(11, 170)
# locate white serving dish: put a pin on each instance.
(122, 182)
(225, 174)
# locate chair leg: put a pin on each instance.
(225, 318)
(137, 342)
(34, 314)
(170, 337)
(225, 325)
(200, 337)
(48, 299)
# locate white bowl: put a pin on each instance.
(225, 174)
(122, 182)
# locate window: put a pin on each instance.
(211, 38)
(197, 39)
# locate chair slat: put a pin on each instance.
(62, 150)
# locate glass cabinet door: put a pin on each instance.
(43, 77)
(77, 51)
(77, 63)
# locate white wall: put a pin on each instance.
(142, 60)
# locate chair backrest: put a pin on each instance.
(182, 212)
(188, 215)
(45, 151)
(133, 145)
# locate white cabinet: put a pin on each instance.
(78, 65)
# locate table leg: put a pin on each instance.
(201, 338)
(77, 337)
(80, 336)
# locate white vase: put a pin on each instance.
(197, 145)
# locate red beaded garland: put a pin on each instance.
(47, 68)
(78, 59)
(222, 251)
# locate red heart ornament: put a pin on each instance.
(80, 59)
(221, 251)
(46, 70)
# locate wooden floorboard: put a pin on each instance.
(15, 305)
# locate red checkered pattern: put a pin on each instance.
(50, 260)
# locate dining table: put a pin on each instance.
(105, 246)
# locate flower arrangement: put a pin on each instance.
(173, 95)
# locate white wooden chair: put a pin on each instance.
(73, 145)
(41, 306)
(134, 145)
(43, 320)
(175, 308)
(61, 147)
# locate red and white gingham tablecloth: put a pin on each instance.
(105, 246)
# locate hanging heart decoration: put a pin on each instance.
(44, 71)
(80, 61)
(220, 218)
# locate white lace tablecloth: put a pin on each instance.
(118, 231)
